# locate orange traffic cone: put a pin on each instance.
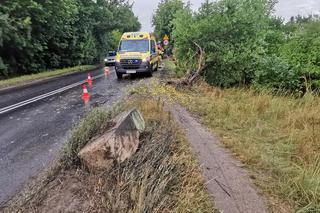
(85, 95)
(106, 71)
(89, 79)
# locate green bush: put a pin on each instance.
(274, 73)
(302, 50)
(244, 44)
(232, 34)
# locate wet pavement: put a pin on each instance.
(31, 136)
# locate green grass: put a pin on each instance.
(169, 65)
(16, 81)
(171, 69)
(277, 137)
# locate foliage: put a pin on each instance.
(302, 51)
(231, 32)
(164, 15)
(115, 38)
(274, 73)
(37, 35)
(244, 44)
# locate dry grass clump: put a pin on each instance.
(188, 193)
(276, 136)
(163, 176)
(145, 183)
(96, 121)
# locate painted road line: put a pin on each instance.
(40, 97)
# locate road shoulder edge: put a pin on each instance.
(20, 85)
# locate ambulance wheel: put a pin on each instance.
(119, 75)
(149, 73)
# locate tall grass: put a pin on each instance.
(163, 176)
(277, 137)
(96, 121)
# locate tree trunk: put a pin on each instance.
(191, 77)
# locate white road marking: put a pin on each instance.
(40, 97)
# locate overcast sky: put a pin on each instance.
(285, 8)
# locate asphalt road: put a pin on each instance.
(31, 136)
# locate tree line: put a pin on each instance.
(244, 43)
(37, 35)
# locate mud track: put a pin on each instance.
(226, 180)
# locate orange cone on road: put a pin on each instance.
(106, 71)
(85, 95)
(89, 79)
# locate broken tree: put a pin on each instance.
(116, 145)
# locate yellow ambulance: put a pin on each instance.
(137, 53)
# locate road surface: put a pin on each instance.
(32, 135)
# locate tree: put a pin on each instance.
(302, 51)
(36, 35)
(231, 33)
(165, 13)
(244, 43)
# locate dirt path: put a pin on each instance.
(226, 181)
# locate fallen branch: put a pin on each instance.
(192, 76)
(201, 66)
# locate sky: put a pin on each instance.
(285, 8)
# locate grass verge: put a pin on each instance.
(163, 176)
(21, 80)
(170, 69)
(278, 138)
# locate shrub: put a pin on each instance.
(230, 31)
(274, 72)
(302, 50)
(245, 43)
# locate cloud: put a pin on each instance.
(144, 9)
(285, 8)
(288, 8)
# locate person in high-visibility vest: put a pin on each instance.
(160, 49)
